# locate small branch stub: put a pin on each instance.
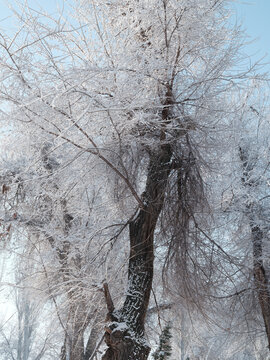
(109, 302)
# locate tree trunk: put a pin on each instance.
(92, 343)
(260, 277)
(257, 237)
(125, 335)
(73, 348)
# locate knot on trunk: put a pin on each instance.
(123, 344)
(115, 333)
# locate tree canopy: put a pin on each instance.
(136, 184)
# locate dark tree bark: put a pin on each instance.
(125, 335)
(261, 278)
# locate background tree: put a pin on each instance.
(164, 349)
(26, 331)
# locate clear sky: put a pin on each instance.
(5, 14)
(255, 18)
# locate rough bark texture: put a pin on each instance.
(125, 335)
(261, 279)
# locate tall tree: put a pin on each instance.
(255, 201)
(133, 98)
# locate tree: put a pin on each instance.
(164, 350)
(26, 333)
(127, 102)
(245, 206)
(255, 198)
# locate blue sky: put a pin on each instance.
(253, 14)
(255, 18)
(5, 14)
